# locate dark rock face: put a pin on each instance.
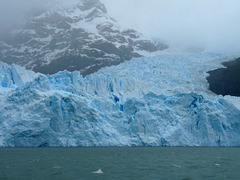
(81, 37)
(226, 81)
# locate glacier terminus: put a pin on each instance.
(148, 101)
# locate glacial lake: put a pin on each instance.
(123, 163)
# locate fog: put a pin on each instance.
(12, 11)
(209, 24)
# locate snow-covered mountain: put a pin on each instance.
(75, 35)
(158, 101)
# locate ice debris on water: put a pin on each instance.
(99, 171)
(157, 101)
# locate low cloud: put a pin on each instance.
(12, 11)
(212, 24)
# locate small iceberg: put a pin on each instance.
(99, 171)
(177, 166)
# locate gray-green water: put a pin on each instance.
(120, 163)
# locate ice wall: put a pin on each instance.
(14, 76)
(137, 103)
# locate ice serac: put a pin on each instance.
(73, 35)
(116, 107)
(15, 76)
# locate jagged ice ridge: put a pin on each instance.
(143, 102)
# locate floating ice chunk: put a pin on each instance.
(177, 166)
(99, 171)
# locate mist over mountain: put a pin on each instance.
(74, 35)
(212, 25)
(13, 11)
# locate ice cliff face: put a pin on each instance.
(134, 106)
(76, 35)
(14, 76)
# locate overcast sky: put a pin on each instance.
(213, 24)
(12, 11)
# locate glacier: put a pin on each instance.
(154, 101)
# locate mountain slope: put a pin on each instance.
(79, 36)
